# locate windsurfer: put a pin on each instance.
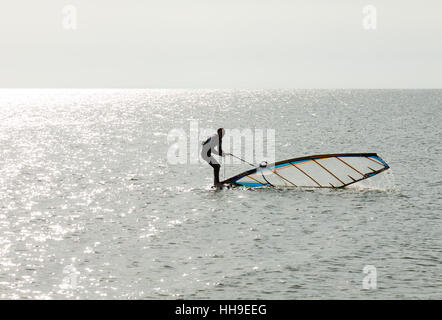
(209, 147)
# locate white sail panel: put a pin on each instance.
(363, 165)
(344, 172)
(287, 175)
(318, 174)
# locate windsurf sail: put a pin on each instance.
(318, 171)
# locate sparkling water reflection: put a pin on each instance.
(90, 208)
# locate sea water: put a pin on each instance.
(92, 207)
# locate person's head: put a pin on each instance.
(221, 132)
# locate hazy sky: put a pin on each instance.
(221, 44)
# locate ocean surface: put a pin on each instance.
(92, 208)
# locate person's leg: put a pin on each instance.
(207, 156)
(216, 169)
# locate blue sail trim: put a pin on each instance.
(380, 160)
(252, 184)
